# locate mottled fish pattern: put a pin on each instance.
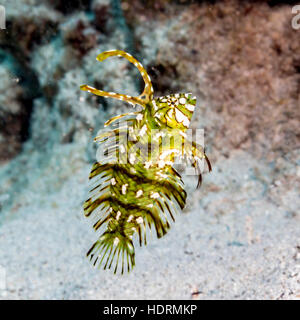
(135, 186)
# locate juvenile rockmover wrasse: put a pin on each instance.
(136, 186)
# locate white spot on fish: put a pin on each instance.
(182, 100)
(154, 105)
(118, 215)
(148, 164)
(139, 193)
(155, 195)
(139, 220)
(132, 170)
(190, 107)
(132, 158)
(124, 188)
(130, 218)
(181, 118)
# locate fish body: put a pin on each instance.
(136, 187)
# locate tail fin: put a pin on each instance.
(112, 246)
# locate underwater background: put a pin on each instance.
(239, 235)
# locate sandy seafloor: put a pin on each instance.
(251, 253)
(239, 235)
